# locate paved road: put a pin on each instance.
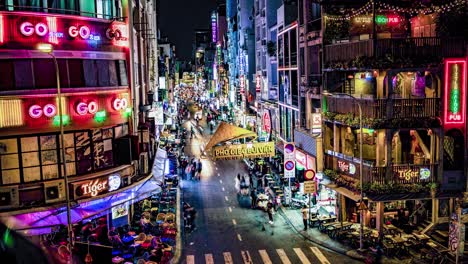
(227, 233)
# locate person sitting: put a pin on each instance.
(86, 231)
(114, 238)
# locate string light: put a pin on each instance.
(388, 7)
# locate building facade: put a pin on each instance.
(98, 151)
(404, 78)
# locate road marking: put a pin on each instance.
(190, 259)
(209, 259)
(222, 189)
(301, 256)
(266, 259)
(219, 174)
(246, 257)
(226, 198)
(234, 222)
(216, 168)
(220, 181)
(227, 258)
(239, 237)
(230, 209)
(320, 255)
(284, 258)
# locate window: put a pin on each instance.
(28, 5)
(88, 8)
(90, 73)
(49, 158)
(30, 158)
(9, 163)
(44, 70)
(59, 6)
(23, 74)
(122, 73)
(7, 80)
(103, 72)
(76, 69)
(83, 152)
(69, 153)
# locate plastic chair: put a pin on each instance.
(160, 218)
(170, 217)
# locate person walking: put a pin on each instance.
(270, 212)
(253, 196)
(305, 215)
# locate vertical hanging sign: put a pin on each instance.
(289, 160)
(455, 92)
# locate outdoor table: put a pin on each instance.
(432, 244)
(326, 225)
(421, 237)
(398, 242)
(391, 230)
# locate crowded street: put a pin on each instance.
(227, 233)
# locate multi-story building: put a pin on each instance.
(87, 74)
(288, 78)
(266, 83)
(231, 44)
(404, 67)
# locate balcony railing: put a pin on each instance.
(377, 108)
(424, 47)
(399, 173)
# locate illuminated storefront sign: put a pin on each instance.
(48, 110)
(258, 83)
(301, 158)
(98, 186)
(68, 32)
(244, 151)
(410, 173)
(214, 28)
(455, 91)
(86, 108)
(266, 121)
(242, 84)
(346, 167)
(120, 104)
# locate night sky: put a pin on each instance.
(179, 18)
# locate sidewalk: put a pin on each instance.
(294, 218)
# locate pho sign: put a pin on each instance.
(243, 151)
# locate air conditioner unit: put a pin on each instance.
(9, 197)
(54, 191)
(144, 163)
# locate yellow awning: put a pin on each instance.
(228, 132)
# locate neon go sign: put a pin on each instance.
(83, 108)
(48, 110)
(28, 29)
(120, 104)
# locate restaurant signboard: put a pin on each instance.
(97, 186)
(243, 151)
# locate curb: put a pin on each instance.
(178, 249)
(349, 253)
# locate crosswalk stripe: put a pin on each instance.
(227, 258)
(266, 259)
(190, 259)
(246, 257)
(320, 255)
(284, 258)
(301, 256)
(209, 259)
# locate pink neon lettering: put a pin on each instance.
(120, 104)
(28, 29)
(36, 111)
(83, 31)
(86, 108)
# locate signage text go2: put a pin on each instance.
(120, 104)
(83, 108)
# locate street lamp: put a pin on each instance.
(48, 49)
(362, 206)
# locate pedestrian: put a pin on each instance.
(253, 196)
(305, 215)
(270, 212)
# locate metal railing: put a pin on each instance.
(422, 47)
(377, 108)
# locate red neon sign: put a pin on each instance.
(1, 29)
(120, 104)
(36, 111)
(83, 108)
(455, 91)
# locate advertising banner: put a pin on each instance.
(244, 151)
